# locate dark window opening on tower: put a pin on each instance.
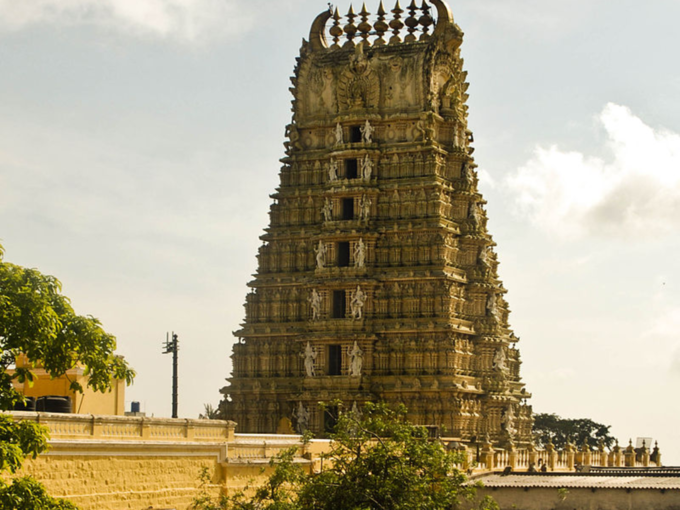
(351, 169)
(355, 134)
(339, 304)
(343, 254)
(335, 359)
(347, 208)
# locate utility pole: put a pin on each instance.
(172, 346)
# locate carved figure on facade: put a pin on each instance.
(485, 257)
(301, 414)
(366, 168)
(492, 307)
(508, 422)
(500, 361)
(333, 170)
(365, 207)
(475, 214)
(367, 132)
(338, 134)
(309, 356)
(358, 86)
(357, 302)
(320, 255)
(315, 304)
(359, 253)
(327, 210)
(356, 360)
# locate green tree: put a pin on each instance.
(550, 427)
(38, 321)
(377, 461)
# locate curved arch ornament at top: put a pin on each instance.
(317, 34)
(445, 27)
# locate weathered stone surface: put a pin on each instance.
(378, 239)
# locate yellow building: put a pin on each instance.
(87, 402)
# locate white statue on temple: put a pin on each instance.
(366, 168)
(327, 210)
(338, 134)
(485, 256)
(333, 170)
(508, 421)
(356, 360)
(492, 306)
(359, 253)
(357, 302)
(476, 213)
(499, 360)
(309, 355)
(302, 416)
(315, 303)
(365, 207)
(367, 132)
(320, 252)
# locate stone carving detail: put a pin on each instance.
(315, 304)
(320, 255)
(333, 170)
(359, 86)
(492, 306)
(309, 356)
(367, 132)
(357, 302)
(301, 414)
(359, 253)
(366, 168)
(356, 360)
(500, 361)
(365, 207)
(327, 210)
(412, 237)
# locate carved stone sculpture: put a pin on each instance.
(315, 303)
(367, 132)
(356, 305)
(366, 168)
(320, 252)
(327, 210)
(395, 215)
(359, 253)
(309, 356)
(356, 360)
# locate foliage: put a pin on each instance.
(550, 427)
(38, 321)
(377, 461)
(210, 413)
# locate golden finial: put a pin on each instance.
(411, 22)
(396, 24)
(380, 26)
(364, 26)
(350, 28)
(425, 20)
(336, 30)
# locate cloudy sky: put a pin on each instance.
(139, 141)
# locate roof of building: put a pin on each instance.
(617, 478)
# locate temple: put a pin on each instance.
(377, 278)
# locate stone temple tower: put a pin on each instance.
(377, 278)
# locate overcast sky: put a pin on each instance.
(139, 143)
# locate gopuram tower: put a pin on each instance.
(377, 278)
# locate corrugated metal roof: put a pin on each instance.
(581, 481)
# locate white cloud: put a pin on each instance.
(531, 18)
(187, 20)
(635, 191)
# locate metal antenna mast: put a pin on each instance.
(172, 346)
